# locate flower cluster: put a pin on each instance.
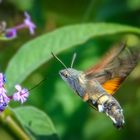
(11, 33)
(20, 95)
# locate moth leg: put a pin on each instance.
(93, 105)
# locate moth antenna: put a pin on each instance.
(73, 59)
(58, 60)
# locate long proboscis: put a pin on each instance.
(37, 85)
(73, 59)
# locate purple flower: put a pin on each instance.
(12, 32)
(3, 106)
(3, 96)
(21, 94)
(31, 26)
(4, 99)
(2, 80)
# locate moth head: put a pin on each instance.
(69, 75)
(65, 73)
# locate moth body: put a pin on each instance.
(109, 105)
(92, 92)
(97, 84)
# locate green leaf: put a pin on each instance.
(38, 51)
(35, 121)
(24, 5)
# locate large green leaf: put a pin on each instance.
(34, 121)
(36, 52)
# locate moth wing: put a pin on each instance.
(112, 85)
(109, 56)
(114, 67)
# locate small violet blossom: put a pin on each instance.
(12, 32)
(21, 95)
(29, 24)
(4, 99)
(2, 80)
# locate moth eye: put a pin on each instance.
(66, 75)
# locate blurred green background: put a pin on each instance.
(73, 118)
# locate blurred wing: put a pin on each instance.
(114, 67)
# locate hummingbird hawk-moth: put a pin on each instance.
(97, 84)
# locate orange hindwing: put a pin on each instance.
(112, 85)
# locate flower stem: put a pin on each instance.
(19, 27)
(14, 127)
